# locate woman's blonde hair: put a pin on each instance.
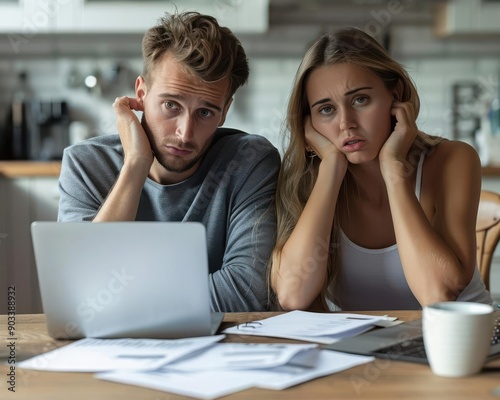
(298, 171)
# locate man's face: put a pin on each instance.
(181, 114)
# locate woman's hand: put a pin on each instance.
(136, 146)
(322, 146)
(393, 155)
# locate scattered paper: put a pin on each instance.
(231, 356)
(329, 362)
(202, 385)
(96, 355)
(204, 369)
(211, 384)
(323, 328)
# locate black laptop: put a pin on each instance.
(402, 342)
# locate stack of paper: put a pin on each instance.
(322, 328)
(227, 368)
(197, 367)
(95, 355)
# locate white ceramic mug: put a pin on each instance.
(457, 336)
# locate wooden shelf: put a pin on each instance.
(491, 171)
(17, 169)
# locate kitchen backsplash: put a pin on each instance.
(260, 106)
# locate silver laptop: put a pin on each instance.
(124, 279)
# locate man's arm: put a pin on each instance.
(123, 200)
(88, 171)
(241, 282)
(84, 184)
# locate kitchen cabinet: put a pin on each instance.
(11, 17)
(27, 18)
(23, 200)
(471, 18)
(31, 17)
(3, 246)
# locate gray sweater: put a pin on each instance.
(231, 193)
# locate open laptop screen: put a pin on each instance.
(123, 279)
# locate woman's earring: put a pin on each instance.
(310, 152)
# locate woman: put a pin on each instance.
(372, 212)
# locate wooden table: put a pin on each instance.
(16, 169)
(381, 379)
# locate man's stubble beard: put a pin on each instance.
(180, 166)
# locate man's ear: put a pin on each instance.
(140, 89)
(224, 112)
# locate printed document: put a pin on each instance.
(96, 355)
(323, 328)
(213, 383)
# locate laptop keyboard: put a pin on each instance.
(414, 348)
(496, 332)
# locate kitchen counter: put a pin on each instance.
(16, 169)
(491, 171)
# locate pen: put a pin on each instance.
(139, 356)
(252, 353)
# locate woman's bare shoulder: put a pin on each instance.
(453, 167)
(453, 154)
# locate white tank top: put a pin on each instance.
(373, 279)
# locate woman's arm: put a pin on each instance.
(302, 270)
(438, 255)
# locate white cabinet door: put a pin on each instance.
(45, 199)
(241, 16)
(11, 17)
(27, 18)
(17, 241)
(23, 201)
(110, 16)
(4, 282)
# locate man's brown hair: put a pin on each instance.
(206, 49)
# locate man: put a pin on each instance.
(177, 164)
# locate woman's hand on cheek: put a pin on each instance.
(321, 145)
(393, 154)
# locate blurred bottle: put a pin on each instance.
(494, 143)
(15, 138)
(49, 137)
(483, 135)
(495, 116)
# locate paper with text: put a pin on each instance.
(96, 355)
(211, 384)
(233, 356)
(309, 326)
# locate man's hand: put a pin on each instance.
(135, 142)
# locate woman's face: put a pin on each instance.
(351, 106)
